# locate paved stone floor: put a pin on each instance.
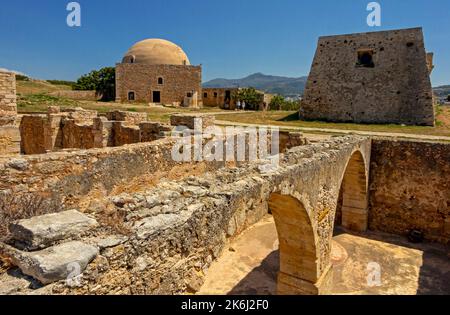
(250, 264)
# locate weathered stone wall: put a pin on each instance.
(188, 120)
(78, 95)
(7, 93)
(397, 89)
(410, 188)
(9, 140)
(9, 133)
(173, 231)
(81, 129)
(142, 79)
(71, 178)
(128, 117)
(216, 97)
(80, 136)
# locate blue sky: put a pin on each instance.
(231, 38)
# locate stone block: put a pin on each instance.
(54, 263)
(189, 120)
(42, 231)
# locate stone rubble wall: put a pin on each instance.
(134, 118)
(410, 188)
(175, 230)
(397, 89)
(8, 100)
(78, 95)
(9, 132)
(188, 120)
(83, 129)
(77, 178)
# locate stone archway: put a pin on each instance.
(299, 256)
(354, 194)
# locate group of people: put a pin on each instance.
(240, 105)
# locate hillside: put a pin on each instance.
(283, 85)
(442, 91)
(268, 83)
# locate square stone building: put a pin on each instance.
(158, 71)
(379, 77)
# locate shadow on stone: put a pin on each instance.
(261, 280)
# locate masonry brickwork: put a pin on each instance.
(85, 129)
(380, 77)
(173, 82)
(410, 188)
(219, 97)
(9, 133)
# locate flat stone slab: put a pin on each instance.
(42, 231)
(54, 263)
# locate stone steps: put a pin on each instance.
(36, 253)
(42, 231)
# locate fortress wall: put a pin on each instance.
(410, 188)
(394, 87)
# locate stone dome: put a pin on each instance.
(156, 52)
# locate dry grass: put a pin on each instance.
(15, 207)
(39, 87)
(115, 220)
(289, 119)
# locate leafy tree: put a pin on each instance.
(277, 102)
(103, 81)
(21, 77)
(280, 103)
(250, 96)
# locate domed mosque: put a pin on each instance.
(158, 71)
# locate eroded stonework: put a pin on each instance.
(380, 77)
(9, 133)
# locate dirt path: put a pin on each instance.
(251, 263)
(340, 131)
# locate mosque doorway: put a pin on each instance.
(156, 97)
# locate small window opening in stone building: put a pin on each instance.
(365, 59)
(215, 94)
(189, 94)
(160, 81)
(131, 96)
(205, 95)
(132, 59)
(410, 44)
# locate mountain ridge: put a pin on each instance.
(285, 86)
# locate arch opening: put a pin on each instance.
(352, 205)
(298, 245)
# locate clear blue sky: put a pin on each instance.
(231, 38)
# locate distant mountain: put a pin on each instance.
(267, 83)
(442, 91)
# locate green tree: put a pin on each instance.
(102, 81)
(280, 103)
(250, 96)
(277, 102)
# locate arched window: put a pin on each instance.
(160, 81)
(131, 96)
(205, 95)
